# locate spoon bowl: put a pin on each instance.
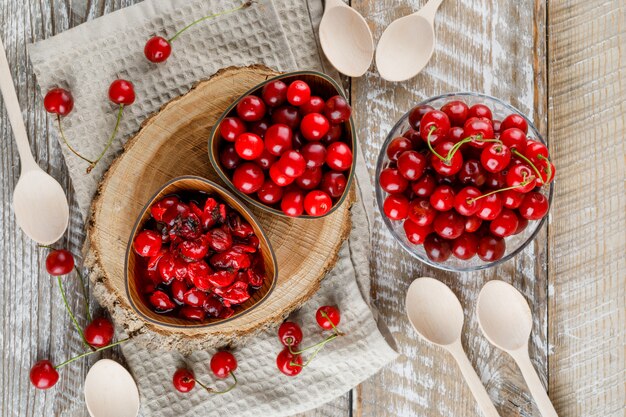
(110, 391)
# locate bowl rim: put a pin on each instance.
(379, 192)
(134, 231)
(250, 200)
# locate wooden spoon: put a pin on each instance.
(407, 44)
(39, 201)
(346, 39)
(506, 320)
(437, 316)
(110, 391)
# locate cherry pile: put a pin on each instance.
(198, 258)
(286, 148)
(289, 360)
(223, 364)
(461, 182)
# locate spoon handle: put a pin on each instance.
(13, 109)
(534, 384)
(430, 9)
(473, 381)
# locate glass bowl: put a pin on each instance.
(514, 244)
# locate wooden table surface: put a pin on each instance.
(562, 62)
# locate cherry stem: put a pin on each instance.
(113, 135)
(446, 160)
(69, 310)
(528, 161)
(243, 6)
(548, 166)
(430, 146)
(337, 332)
(522, 184)
(212, 391)
(91, 352)
(85, 292)
(67, 143)
(322, 343)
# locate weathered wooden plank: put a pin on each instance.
(485, 46)
(587, 325)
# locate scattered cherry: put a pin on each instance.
(223, 363)
(59, 101)
(290, 334)
(122, 92)
(59, 262)
(288, 363)
(328, 317)
(157, 49)
(43, 375)
(99, 332)
(184, 380)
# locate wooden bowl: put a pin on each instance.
(322, 86)
(193, 184)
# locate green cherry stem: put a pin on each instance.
(243, 6)
(292, 363)
(213, 391)
(322, 343)
(548, 166)
(69, 310)
(85, 292)
(337, 332)
(113, 135)
(91, 353)
(523, 184)
(67, 143)
(430, 146)
(529, 162)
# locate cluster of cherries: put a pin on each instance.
(223, 364)
(197, 258)
(285, 147)
(289, 360)
(97, 335)
(462, 182)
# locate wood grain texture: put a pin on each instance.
(588, 229)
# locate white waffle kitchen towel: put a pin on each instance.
(280, 34)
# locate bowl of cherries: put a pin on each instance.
(287, 145)
(464, 181)
(197, 257)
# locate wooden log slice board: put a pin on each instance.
(173, 143)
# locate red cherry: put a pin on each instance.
(317, 203)
(442, 199)
(516, 121)
(547, 174)
(411, 165)
(161, 301)
(292, 164)
(415, 233)
(279, 177)
(158, 209)
(425, 186)
(472, 173)
(60, 262)
(421, 212)
(457, 112)
(223, 363)
(478, 129)
(437, 248)
(290, 334)
(417, 113)
(292, 203)
(310, 179)
(99, 332)
(436, 125)
(194, 297)
(397, 147)
(446, 168)
(497, 126)
(270, 193)
(288, 363)
(314, 105)
(496, 180)
(511, 199)
(480, 110)
(259, 127)
(266, 160)
(449, 224)
(278, 139)
(465, 246)
(157, 49)
(314, 154)
(334, 134)
(505, 224)
(231, 127)
(465, 201)
(490, 207)
(339, 156)
(179, 288)
(414, 137)
(455, 134)
(334, 183)
(522, 177)
(184, 380)
(337, 110)
(122, 92)
(535, 151)
(491, 248)
(229, 157)
(392, 181)
(58, 101)
(287, 115)
(472, 224)
(521, 225)
(147, 243)
(251, 108)
(249, 146)
(298, 93)
(248, 178)
(192, 313)
(534, 206)
(514, 138)
(396, 207)
(314, 126)
(495, 157)
(43, 375)
(327, 316)
(274, 93)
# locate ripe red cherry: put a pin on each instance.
(274, 93)
(397, 147)
(58, 101)
(490, 207)
(455, 134)
(534, 206)
(259, 127)
(314, 126)
(334, 183)
(248, 178)
(334, 134)
(480, 110)
(457, 112)
(184, 380)
(292, 203)
(288, 115)
(60, 262)
(231, 127)
(505, 224)
(449, 224)
(425, 186)
(266, 160)
(437, 248)
(516, 121)
(157, 49)
(521, 225)
(522, 177)
(396, 207)
(292, 164)
(446, 168)
(278, 139)
(472, 173)
(327, 316)
(279, 177)
(411, 165)
(270, 193)
(421, 212)
(179, 288)
(337, 110)
(495, 157)
(192, 313)
(511, 199)
(478, 129)
(99, 332)
(194, 297)
(442, 199)
(414, 137)
(465, 203)
(472, 224)
(229, 158)
(392, 181)
(317, 203)
(314, 154)
(223, 363)
(288, 363)
(298, 93)
(496, 180)
(514, 139)
(535, 151)
(43, 375)
(147, 243)
(339, 156)
(310, 179)
(251, 108)
(547, 174)
(415, 233)
(314, 105)
(417, 113)
(491, 248)
(436, 125)
(249, 146)
(290, 334)
(122, 92)
(465, 246)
